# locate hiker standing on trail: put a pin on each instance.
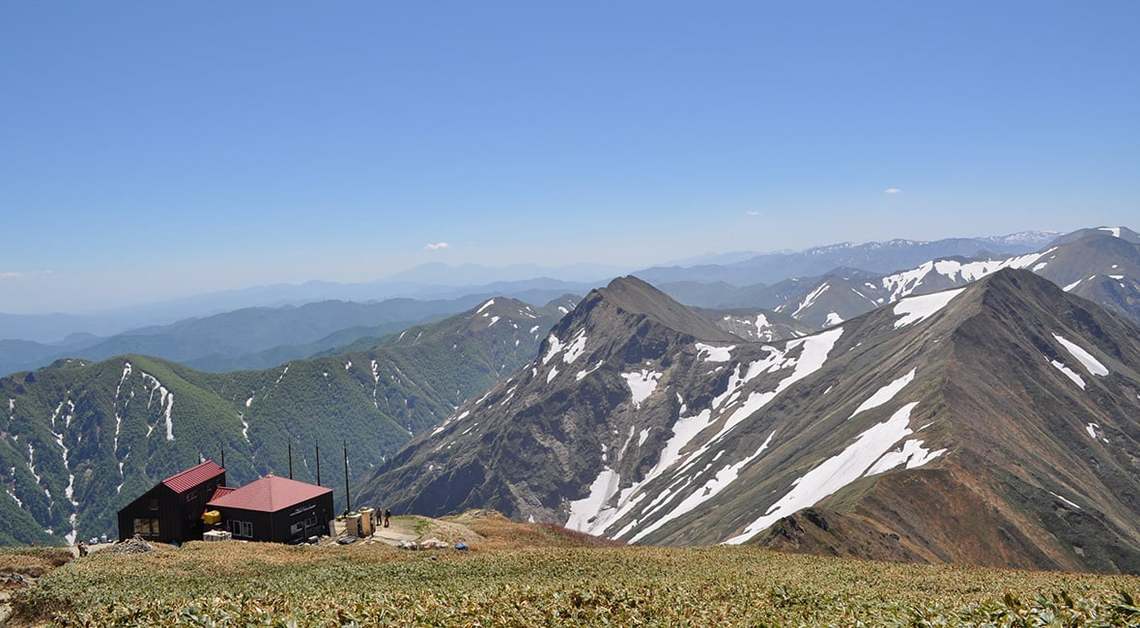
(82, 547)
(387, 517)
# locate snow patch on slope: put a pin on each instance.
(810, 299)
(1077, 379)
(813, 353)
(907, 282)
(725, 476)
(576, 347)
(165, 403)
(32, 470)
(555, 345)
(884, 394)
(580, 375)
(115, 407)
(912, 454)
(916, 309)
(834, 473)
(1067, 501)
(1095, 432)
(453, 419)
(1091, 364)
(584, 511)
(641, 384)
(69, 490)
(712, 353)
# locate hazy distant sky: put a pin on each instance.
(155, 149)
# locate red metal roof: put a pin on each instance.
(269, 494)
(188, 479)
(222, 490)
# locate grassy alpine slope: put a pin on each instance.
(546, 580)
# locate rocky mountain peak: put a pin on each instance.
(1024, 299)
(1122, 233)
(634, 296)
(1015, 283)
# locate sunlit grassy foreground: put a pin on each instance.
(235, 583)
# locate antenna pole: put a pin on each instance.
(318, 445)
(347, 496)
(290, 460)
(222, 448)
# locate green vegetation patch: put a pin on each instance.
(247, 584)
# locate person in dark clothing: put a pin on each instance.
(387, 517)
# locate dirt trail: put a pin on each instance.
(420, 529)
(400, 530)
(417, 529)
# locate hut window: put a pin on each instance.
(301, 526)
(147, 527)
(242, 528)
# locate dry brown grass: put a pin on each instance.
(33, 561)
(499, 532)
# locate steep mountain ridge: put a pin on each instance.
(627, 319)
(891, 426)
(1025, 479)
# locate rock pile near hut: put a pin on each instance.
(133, 545)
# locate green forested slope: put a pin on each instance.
(79, 439)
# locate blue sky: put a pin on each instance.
(150, 150)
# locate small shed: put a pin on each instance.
(275, 509)
(171, 512)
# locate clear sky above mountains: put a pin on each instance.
(150, 150)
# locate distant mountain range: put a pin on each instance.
(1029, 239)
(51, 328)
(466, 275)
(245, 329)
(1101, 264)
(250, 338)
(78, 439)
(876, 257)
(993, 424)
(237, 339)
(437, 281)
